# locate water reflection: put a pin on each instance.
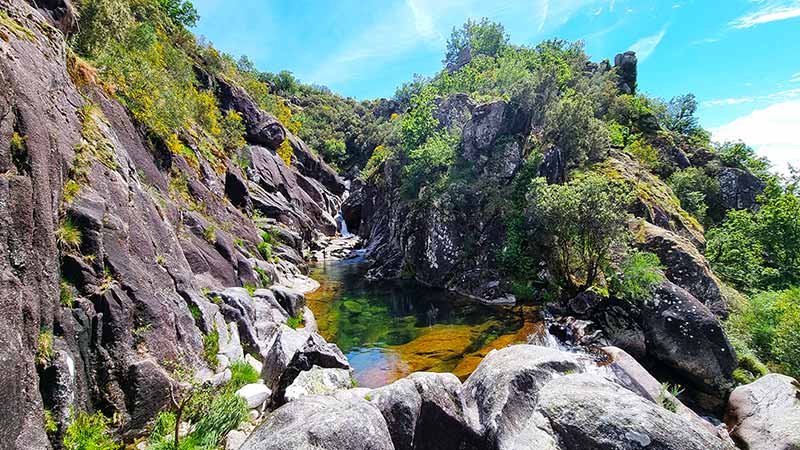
(392, 328)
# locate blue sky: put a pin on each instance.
(740, 57)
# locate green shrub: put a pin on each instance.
(666, 397)
(50, 425)
(263, 277)
(696, 191)
(296, 322)
(640, 273)
(210, 233)
(485, 38)
(211, 348)
(265, 246)
(645, 154)
(242, 373)
(581, 221)
(89, 432)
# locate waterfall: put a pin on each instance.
(340, 216)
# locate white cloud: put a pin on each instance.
(645, 46)
(776, 96)
(769, 11)
(772, 132)
(795, 78)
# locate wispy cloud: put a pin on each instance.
(768, 11)
(795, 78)
(416, 24)
(776, 96)
(645, 46)
(771, 131)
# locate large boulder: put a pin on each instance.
(683, 335)
(322, 423)
(685, 265)
(765, 415)
(262, 128)
(505, 389)
(400, 404)
(587, 412)
(318, 381)
(739, 188)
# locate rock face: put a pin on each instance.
(739, 188)
(318, 422)
(625, 64)
(154, 231)
(766, 414)
(684, 264)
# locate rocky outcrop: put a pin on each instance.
(684, 335)
(625, 65)
(683, 264)
(320, 422)
(766, 414)
(493, 139)
(739, 189)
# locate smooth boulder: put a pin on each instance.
(587, 412)
(765, 415)
(322, 423)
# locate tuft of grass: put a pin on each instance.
(67, 294)
(90, 432)
(194, 310)
(242, 373)
(44, 348)
(251, 288)
(263, 277)
(68, 235)
(108, 279)
(211, 348)
(161, 260)
(71, 190)
(210, 234)
(665, 400)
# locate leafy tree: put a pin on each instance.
(741, 156)
(410, 89)
(696, 191)
(570, 125)
(679, 115)
(582, 220)
(428, 162)
(735, 251)
(180, 11)
(482, 38)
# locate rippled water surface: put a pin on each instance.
(389, 329)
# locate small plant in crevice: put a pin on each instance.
(194, 310)
(19, 153)
(66, 294)
(71, 190)
(44, 348)
(90, 432)
(210, 234)
(50, 425)
(250, 288)
(68, 235)
(667, 397)
(265, 246)
(263, 277)
(108, 279)
(296, 322)
(211, 348)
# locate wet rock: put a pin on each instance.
(739, 188)
(765, 415)
(686, 337)
(318, 381)
(505, 389)
(324, 423)
(400, 404)
(587, 412)
(254, 394)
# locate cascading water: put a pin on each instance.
(340, 216)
